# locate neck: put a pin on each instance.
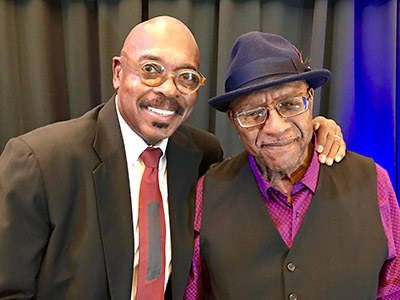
(284, 180)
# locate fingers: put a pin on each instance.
(316, 124)
(334, 150)
(341, 151)
(322, 132)
(330, 144)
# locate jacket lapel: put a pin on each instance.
(114, 203)
(183, 160)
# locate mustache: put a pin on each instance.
(162, 102)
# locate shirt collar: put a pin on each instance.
(134, 144)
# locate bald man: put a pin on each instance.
(69, 192)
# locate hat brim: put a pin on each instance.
(315, 79)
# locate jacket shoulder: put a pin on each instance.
(203, 141)
(229, 167)
(67, 133)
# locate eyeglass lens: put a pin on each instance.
(187, 81)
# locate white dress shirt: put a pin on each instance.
(134, 146)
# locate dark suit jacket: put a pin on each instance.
(65, 209)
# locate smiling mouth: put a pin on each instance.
(161, 112)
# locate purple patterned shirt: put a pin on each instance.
(288, 218)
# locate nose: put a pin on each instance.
(168, 88)
(275, 123)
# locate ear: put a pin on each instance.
(230, 115)
(117, 70)
(311, 93)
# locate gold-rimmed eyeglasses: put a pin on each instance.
(152, 73)
(287, 108)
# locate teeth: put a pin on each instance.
(161, 112)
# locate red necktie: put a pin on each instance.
(151, 276)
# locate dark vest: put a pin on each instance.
(337, 253)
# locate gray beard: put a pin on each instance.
(274, 177)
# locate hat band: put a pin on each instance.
(263, 68)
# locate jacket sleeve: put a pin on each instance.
(24, 222)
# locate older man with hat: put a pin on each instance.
(271, 222)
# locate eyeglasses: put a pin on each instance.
(152, 73)
(287, 108)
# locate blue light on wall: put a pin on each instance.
(375, 65)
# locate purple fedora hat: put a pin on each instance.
(260, 60)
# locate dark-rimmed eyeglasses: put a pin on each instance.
(152, 73)
(287, 108)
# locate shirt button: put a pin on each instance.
(291, 267)
(292, 296)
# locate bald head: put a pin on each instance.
(162, 45)
(162, 32)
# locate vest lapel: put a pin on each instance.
(245, 179)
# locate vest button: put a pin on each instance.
(292, 296)
(291, 267)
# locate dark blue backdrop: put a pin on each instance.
(371, 129)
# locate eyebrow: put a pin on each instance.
(159, 59)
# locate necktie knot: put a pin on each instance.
(151, 157)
